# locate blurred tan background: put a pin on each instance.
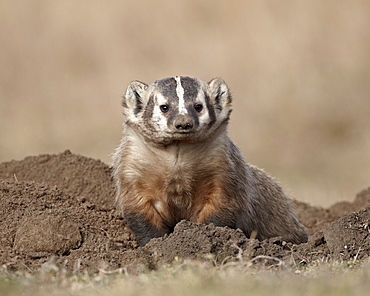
(299, 72)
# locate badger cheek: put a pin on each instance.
(204, 121)
(159, 123)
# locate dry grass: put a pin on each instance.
(299, 71)
(195, 278)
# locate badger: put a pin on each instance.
(175, 161)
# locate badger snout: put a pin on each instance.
(183, 123)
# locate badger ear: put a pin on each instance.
(135, 97)
(220, 96)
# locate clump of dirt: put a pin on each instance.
(53, 234)
(60, 208)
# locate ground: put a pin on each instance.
(60, 208)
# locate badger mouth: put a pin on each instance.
(183, 132)
(183, 135)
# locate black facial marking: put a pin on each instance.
(191, 88)
(148, 113)
(211, 111)
(167, 87)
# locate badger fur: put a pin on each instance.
(176, 161)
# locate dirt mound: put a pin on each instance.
(39, 221)
(76, 175)
(317, 218)
(60, 207)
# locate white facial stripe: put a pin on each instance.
(180, 94)
(204, 117)
(161, 100)
(158, 118)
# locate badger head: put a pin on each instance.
(177, 108)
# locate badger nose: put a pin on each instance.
(183, 122)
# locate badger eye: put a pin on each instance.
(164, 108)
(198, 107)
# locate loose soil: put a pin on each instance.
(59, 208)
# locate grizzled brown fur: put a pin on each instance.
(176, 161)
